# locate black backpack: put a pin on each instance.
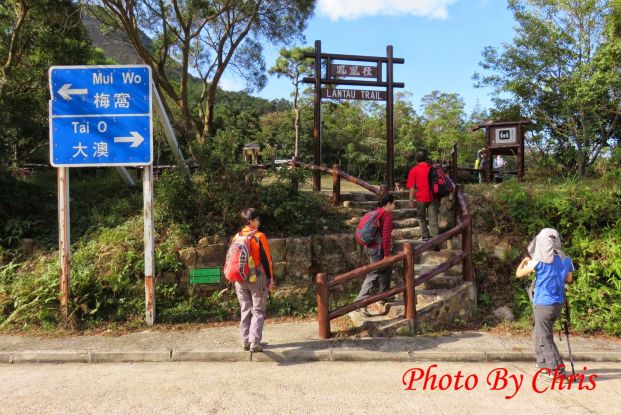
(440, 184)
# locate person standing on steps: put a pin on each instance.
(426, 204)
(381, 248)
(253, 294)
(554, 269)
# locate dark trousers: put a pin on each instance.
(545, 348)
(380, 277)
(424, 209)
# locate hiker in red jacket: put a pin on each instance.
(426, 204)
(378, 250)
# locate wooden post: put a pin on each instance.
(323, 306)
(466, 243)
(336, 185)
(317, 127)
(149, 253)
(64, 239)
(390, 149)
(410, 290)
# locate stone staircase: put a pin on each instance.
(440, 302)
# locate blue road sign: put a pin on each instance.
(100, 116)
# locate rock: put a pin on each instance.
(278, 249)
(211, 255)
(504, 313)
(299, 260)
(188, 257)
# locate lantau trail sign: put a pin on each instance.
(368, 74)
(101, 116)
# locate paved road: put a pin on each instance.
(310, 388)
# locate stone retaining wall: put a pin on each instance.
(293, 259)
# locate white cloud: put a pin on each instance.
(230, 84)
(353, 9)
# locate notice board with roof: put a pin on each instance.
(505, 138)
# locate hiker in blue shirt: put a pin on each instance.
(553, 270)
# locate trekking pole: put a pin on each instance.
(566, 328)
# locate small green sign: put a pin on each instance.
(205, 275)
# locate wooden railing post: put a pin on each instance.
(336, 185)
(410, 293)
(323, 306)
(466, 245)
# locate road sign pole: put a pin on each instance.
(64, 242)
(149, 253)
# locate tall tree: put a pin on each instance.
(444, 122)
(34, 35)
(291, 64)
(206, 37)
(550, 71)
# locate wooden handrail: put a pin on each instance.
(365, 269)
(377, 191)
(464, 227)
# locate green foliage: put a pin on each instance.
(561, 70)
(51, 34)
(586, 214)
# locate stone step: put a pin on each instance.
(443, 282)
(437, 257)
(435, 308)
(403, 214)
(373, 204)
(358, 197)
(406, 233)
(405, 223)
(403, 195)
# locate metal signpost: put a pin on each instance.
(101, 116)
(341, 73)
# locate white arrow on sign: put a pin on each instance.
(65, 91)
(135, 139)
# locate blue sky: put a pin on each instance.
(440, 40)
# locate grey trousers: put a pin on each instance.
(424, 209)
(545, 348)
(252, 299)
(380, 277)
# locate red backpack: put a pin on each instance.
(439, 183)
(239, 265)
(366, 232)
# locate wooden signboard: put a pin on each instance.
(504, 137)
(353, 71)
(376, 71)
(359, 94)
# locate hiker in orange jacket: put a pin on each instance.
(252, 294)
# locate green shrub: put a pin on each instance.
(586, 214)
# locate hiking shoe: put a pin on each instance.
(246, 345)
(256, 347)
(365, 312)
(387, 300)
